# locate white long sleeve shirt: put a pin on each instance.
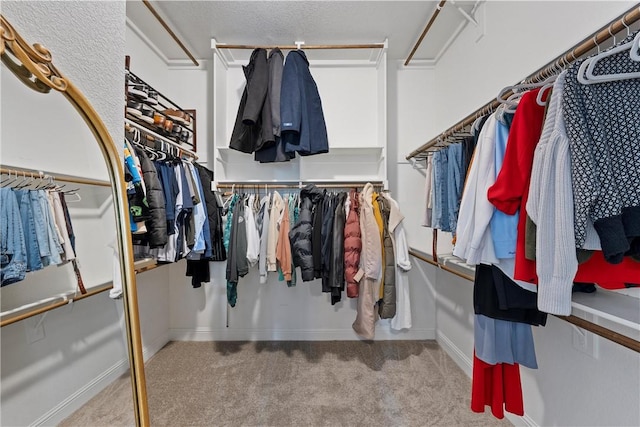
(253, 238)
(473, 233)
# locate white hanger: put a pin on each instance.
(635, 46)
(550, 81)
(589, 65)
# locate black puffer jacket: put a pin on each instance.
(300, 234)
(387, 307)
(157, 223)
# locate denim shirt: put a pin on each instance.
(13, 263)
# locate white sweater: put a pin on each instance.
(550, 206)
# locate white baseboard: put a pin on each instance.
(458, 356)
(523, 421)
(72, 403)
(155, 346)
(235, 334)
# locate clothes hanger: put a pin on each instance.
(586, 71)
(556, 70)
(635, 46)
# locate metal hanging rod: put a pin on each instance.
(600, 330)
(52, 303)
(151, 133)
(425, 31)
(57, 177)
(296, 184)
(170, 31)
(302, 46)
(568, 57)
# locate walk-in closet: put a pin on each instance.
(292, 213)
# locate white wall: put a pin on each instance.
(570, 387)
(82, 350)
(153, 285)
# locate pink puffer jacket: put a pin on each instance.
(352, 245)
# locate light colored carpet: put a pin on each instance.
(301, 383)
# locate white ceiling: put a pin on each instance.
(284, 22)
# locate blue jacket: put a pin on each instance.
(303, 128)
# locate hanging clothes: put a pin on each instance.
(277, 207)
(253, 238)
(603, 130)
(352, 244)
(157, 223)
(504, 227)
(214, 212)
(327, 240)
(510, 190)
(12, 246)
(369, 274)
(473, 242)
(550, 207)
(237, 264)
(402, 319)
(263, 226)
(274, 152)
(303, 128)
(336, 274)
(427, 220)
(387, 303)
(497, 386)
(283, 246)
(301, 233)
(253, 125)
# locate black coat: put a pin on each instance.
(253, 128)
(157, 222)
(336, 277)
(303, 127)
(329, 206)
(301, 233)
(271, 153)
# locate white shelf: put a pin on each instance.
(354, 101)
(620, 309)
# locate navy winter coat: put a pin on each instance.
(303, 128)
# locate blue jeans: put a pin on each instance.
(455, 182)
(13, 262)
(440, 212)
(34, 261)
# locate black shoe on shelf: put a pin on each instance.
(152, 97)
(134, 108)
(147, 114)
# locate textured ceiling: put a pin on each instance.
(284, 22)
